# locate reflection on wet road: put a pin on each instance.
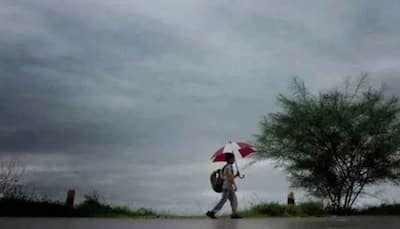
(266, 223)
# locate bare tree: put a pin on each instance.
(10, 175)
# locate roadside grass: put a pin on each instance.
(34, 206)
(93, 207)
(274, 209)
(316, 209)
(26, 206)
(383, 209)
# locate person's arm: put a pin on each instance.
(231, 178)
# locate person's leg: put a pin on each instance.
(224, 198)
(233, 201)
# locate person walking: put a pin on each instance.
(228, 189)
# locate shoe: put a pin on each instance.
(211, 214)
(236, 216)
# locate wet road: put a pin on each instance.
(276, 223)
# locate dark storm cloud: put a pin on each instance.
(137, 95)
(61, 101)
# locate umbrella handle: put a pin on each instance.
(240, 176)
(237, 171)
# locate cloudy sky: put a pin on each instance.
(131, 98)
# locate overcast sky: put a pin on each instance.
(131, 98)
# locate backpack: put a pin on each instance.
(216, 180)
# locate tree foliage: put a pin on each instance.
(335, 143)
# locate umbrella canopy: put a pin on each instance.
(239, 149)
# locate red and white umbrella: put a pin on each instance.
(239, 149)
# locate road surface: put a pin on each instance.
(364, 222)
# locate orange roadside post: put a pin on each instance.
(69, 202)
(290, 199)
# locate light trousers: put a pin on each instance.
(227, 194)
